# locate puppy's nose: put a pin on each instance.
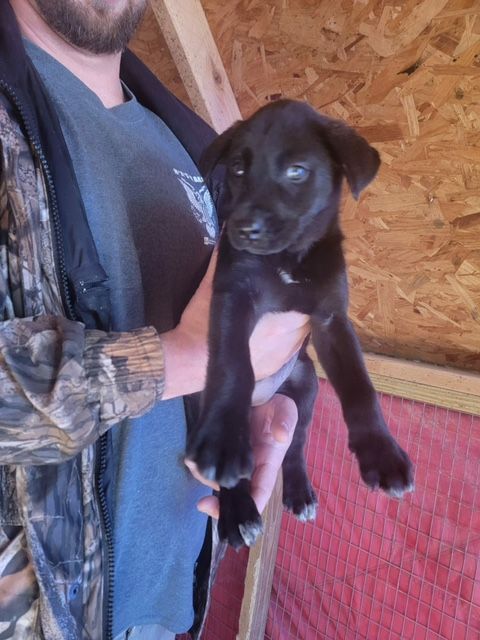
(251, 230)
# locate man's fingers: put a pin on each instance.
(263, 481)
(192, 467)
(283, 432)
(210, 506)
(273, 428)
(273, 425)
(277, 418)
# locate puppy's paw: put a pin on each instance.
(298, 494)
(383, 463)
(239, 523)
(221, 452)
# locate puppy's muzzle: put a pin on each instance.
(256, 232)
(253, 230)
(250, 232)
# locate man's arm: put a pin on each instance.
(62, 386)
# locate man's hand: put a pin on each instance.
(275, 339)
(272, 428)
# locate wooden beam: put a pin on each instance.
(443, 387)
(259, 578)
(188, 36)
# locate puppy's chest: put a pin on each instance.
(287, 276)
(284, 287)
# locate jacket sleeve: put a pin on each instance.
(62, 386)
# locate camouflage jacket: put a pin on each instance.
(64, 378)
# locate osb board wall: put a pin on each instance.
(406, 74)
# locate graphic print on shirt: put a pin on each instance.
(201, 203)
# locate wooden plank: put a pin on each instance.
(424, 374)
(188, 36)
(443, 387)
(261, 564)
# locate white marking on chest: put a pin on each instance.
(287, 277)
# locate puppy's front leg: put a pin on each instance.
(382, 461)
(220, 443)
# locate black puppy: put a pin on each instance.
(282, 250)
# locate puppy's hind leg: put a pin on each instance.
(239, 522)
(298, 494)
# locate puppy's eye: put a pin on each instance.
(297, 173)
(237, 169)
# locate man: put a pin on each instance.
(103, 324)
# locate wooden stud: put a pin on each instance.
(259, 578)
(188, 36)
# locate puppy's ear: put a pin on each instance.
(216, 152)
(357, 158)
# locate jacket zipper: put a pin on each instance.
(71, 314)
(108, 536)
(53, 198)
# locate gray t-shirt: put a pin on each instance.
(153, 220)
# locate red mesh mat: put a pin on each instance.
(372, 567)
(222, 622)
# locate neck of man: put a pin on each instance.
(100, 73)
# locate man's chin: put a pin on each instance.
(100, 28)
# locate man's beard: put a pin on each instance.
(98, 28)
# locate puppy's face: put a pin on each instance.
(283, 174)
(278, 179)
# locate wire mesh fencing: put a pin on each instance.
(371, 567)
